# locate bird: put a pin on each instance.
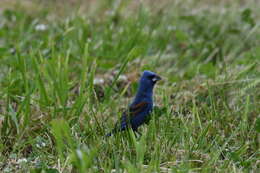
(141, 107)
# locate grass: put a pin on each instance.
(66, 75)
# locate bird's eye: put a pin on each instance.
(151, 77)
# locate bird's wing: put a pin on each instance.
(136, 109)
(129, 114)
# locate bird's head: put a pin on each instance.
(149, 79)
(146, 85)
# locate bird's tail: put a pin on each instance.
(114, 131)
(109, 134)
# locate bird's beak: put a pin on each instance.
(156, 78)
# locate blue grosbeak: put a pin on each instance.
(142, 105)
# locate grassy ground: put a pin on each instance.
(68, 70)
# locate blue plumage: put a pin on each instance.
(142, 105)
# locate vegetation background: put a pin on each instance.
(69, 68)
